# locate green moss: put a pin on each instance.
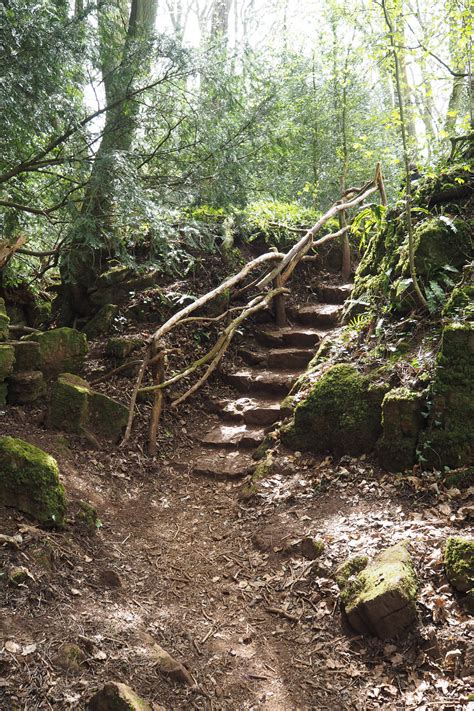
(459, 563)
(29, 481)
(7, 359)
(341, 414)
(401, 422)
(461, 303)
(350, 567)
(61, 349)
(383, 575)
(4, 321)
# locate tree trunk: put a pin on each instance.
(94, 238)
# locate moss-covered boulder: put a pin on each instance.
(29, 481)
(102, 322)
(459, 563)
(115, 696)
(25, 387)
(76, 408)
(61, 349)
(402, 421)
(349, 569)
(341, 414)
(27, 356)
(4, 321)
(381, 599)
(7, 360)
(115, 285)
(449, 437)
(439, 241)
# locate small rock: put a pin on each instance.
(102, 322)
(459, 563)
(381, 600)
(311, 548)
(70, 657)
(115, 696)
(19, 575)
(87, 515)
(169, 666)
(111, 579)
(27, 386)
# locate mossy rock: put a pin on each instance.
(461, 478)
(61, 349)
(87, 515)
(402, 421)
(76, 408)
(119, 347)
(25, 387)
(7, 360)
(341, 414)
(115, 696)
(461, 302)
(102, 322)
(351, 567)
(438, 243)
(381, 600)
(448, 440)
(115, 285)
(459, 563)
(29, 481)
(4, 321)
(27, 356)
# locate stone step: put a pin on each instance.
(233, 436)
(278, 358)
(334, 293)
(321, 315)
(252, 411)
(223, 465)
(289, 358)
(289, 337)
(253, 379)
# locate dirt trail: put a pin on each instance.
(183, 560)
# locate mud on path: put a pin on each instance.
(217, 582)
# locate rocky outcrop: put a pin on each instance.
(449, 437)
(402, 421)
(381, 599)
(61, 349)
(29, 481)
(76, 408)
(341, 414)
(115, 696)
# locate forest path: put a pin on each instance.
(222, 583)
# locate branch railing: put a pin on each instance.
(271, 288)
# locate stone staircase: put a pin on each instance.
(273, 361)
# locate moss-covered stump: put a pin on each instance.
(27, 356)
(449, 437)
(76, 408)
(27, 386)
(119, 347)
(459, 563)
(61, 349)
(401, 422)
(7, 359)
(4, 321)
(29, 481)
(115, 696)
(341, 414)
(381, 599)
(102, 322)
